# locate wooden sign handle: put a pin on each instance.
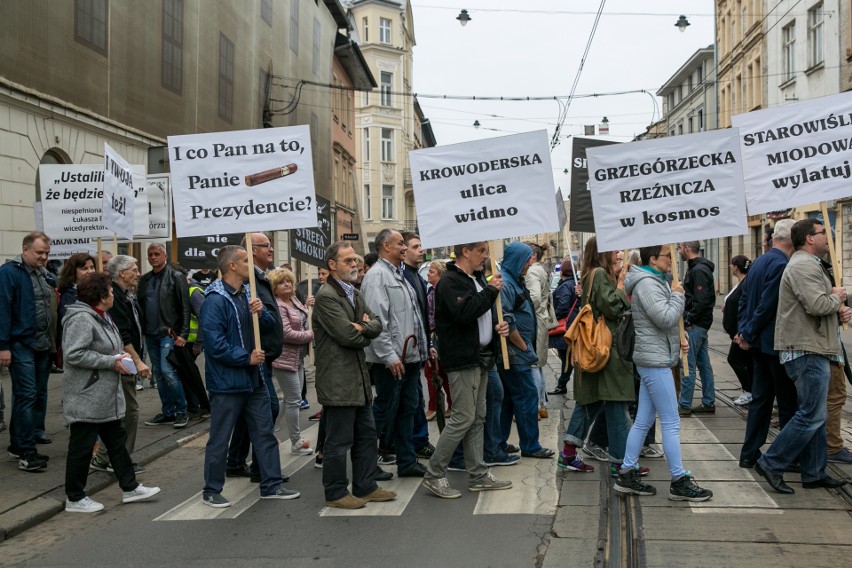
(503, 345)
(681, 333)
(832, 256)
(255, 319)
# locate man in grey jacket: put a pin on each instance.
(397, 354)
(808, 340)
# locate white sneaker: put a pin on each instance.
(301, 448)
(138, 494)
(744, 399)
(84, 505)
(650, 452)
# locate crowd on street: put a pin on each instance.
(375, 327)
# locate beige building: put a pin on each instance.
(74, 75)
(389, 123)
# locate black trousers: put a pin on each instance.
(742, 363)
(770, 381)
(349, 429)
(80, 445)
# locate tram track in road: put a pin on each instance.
(844, 492)
(620, 541)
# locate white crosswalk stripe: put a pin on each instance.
(533, 489)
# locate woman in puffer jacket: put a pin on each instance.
(93, 400)
(289, 368)
(656, 310)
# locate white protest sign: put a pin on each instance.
(484, 190)
(796, 154)
(118, 201)
(667, 190)
(62, 249)
(72, 200)
(140, 202)
(236, 182)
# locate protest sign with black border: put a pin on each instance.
(309, 244)
(582, 218)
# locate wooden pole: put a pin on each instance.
(100, 260)
(832, 255)
(503, 345)
(570, 254)
(676, 279)
(255, 320)
(115, 244)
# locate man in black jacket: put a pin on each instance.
(164, 300)
(465, 327)
(272, 344)
(700, 289)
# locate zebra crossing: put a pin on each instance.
(533, 492)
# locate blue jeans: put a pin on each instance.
(617, 425)
(169, 388)
(30, 371)
(804, 434)
(699, 362)
(521, 401)
(656, 396)
(769, 383)
(396, 424)
(224, 411)
(238, 450)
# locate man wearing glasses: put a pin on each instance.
(807, 338)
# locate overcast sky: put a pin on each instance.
(534, 48)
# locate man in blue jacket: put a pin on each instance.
(236, 380)
(27, 314)
(757, 310)
(521, 394)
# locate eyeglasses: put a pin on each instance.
(264, 245)
(819, 233)
(665, 255)
(348, 260)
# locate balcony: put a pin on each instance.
(406, 178)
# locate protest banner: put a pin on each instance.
(667, 190)
(797, 153)
(309, 244)
(118, 204)
(250, 180)
(159, 198)
(484, 190)
(582, 218)
(72, 200)
(202, 252)
(62, 248)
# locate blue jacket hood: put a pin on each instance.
(515, 257)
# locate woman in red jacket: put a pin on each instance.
(289, 368)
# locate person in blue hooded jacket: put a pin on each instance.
(521, 394)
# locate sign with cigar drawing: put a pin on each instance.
(237, 182)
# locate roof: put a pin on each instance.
(352, 60)
(338, 12)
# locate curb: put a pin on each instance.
(27, 515)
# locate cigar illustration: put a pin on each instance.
(269, 175)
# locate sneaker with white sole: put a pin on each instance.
(684, 489)
(628, 483)
(596, 452)
(744, 399)
(84, 505)
(651, 452)
(282, 493)
(489, 483)
(141, 492)
(215, 500)
(302, 448)
(440, 487)
(98, 465)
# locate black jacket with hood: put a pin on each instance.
(700, 288)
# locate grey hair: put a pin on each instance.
(694, 246)
(333, 251)
(383, 236)
(118, 263)
(226, 256)
(783, 230)
(157, 245)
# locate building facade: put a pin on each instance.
(387, 123)
(79, 73)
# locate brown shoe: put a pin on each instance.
(542, 412)
(346, 502)
(704, 409)
(379, 495)
(430, 416)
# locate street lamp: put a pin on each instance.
(476, 124)
(565, 171)
(682, 23)
(464, 18)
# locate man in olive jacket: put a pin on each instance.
(807, 340)
(343, 327)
